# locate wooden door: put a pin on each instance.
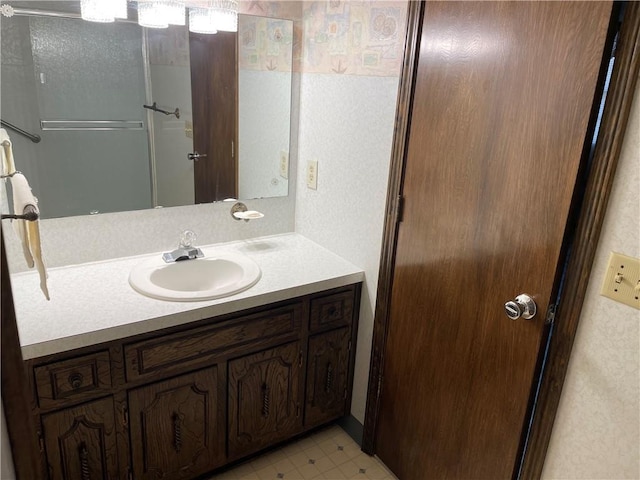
(81, 442)
(502, 102)
(264, 398)
(214, 98)
(177, 426)
(327, 374)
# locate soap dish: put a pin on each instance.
(239, 212)
(248, 215)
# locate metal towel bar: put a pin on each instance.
(30, 213)
(91, 125)
(30, 136)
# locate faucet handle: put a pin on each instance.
(187, 239)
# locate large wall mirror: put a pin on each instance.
(120, 108)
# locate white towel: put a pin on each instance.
(28, 231)
(8, 164)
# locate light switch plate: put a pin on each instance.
(284, 164)
(188, 129)
(622, 280)
(312, 174)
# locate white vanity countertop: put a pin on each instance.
(93, 302)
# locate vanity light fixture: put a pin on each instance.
(217, 15)
(102, 11)
(175, 11)
(205, 16)
(161, 13)
(152, 14)
(226, 15)
(120, 9)
(201, 21)
(97, 11)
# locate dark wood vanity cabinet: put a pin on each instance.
(185, 401)
(327, 376)
(81, 442)
(265, 399)
(178, 425)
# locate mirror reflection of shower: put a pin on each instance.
(79, 86)
(82, 87)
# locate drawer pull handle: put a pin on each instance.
(265, 400)
(177, 432)
(84, 462)
(329, 379)
(332, 311)
(75, 380)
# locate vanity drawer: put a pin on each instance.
(202, 345)
(80, 378)
(332, 311)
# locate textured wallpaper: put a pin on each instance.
(265, 44)
(354, 38)
(359, 37)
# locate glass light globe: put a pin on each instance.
(175, 12)
(97, 11)
(120, 9)
(226, 15)
(201, 20)
(151, 14)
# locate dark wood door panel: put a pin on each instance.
(81, 442)
(214, 87)
(264, 398)
(327, 375)
(503, 96)
(177, 426)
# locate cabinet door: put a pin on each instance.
(264, 398)
(81, 442)
(177, 426)
(327, 367)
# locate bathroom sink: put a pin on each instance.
(213, 276)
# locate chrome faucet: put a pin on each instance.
(185, 250)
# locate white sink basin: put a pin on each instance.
(213, 276)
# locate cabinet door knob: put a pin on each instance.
(265, 400)
(328, 385)
(177, 432)
(84, 462)
(75, 380)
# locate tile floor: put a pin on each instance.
(327, 454)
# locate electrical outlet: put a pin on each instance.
(622, 280)
(312, 174)
(284, 164)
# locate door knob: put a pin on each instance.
(195, 156)
(523, 306)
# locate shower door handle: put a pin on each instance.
(195, 156)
